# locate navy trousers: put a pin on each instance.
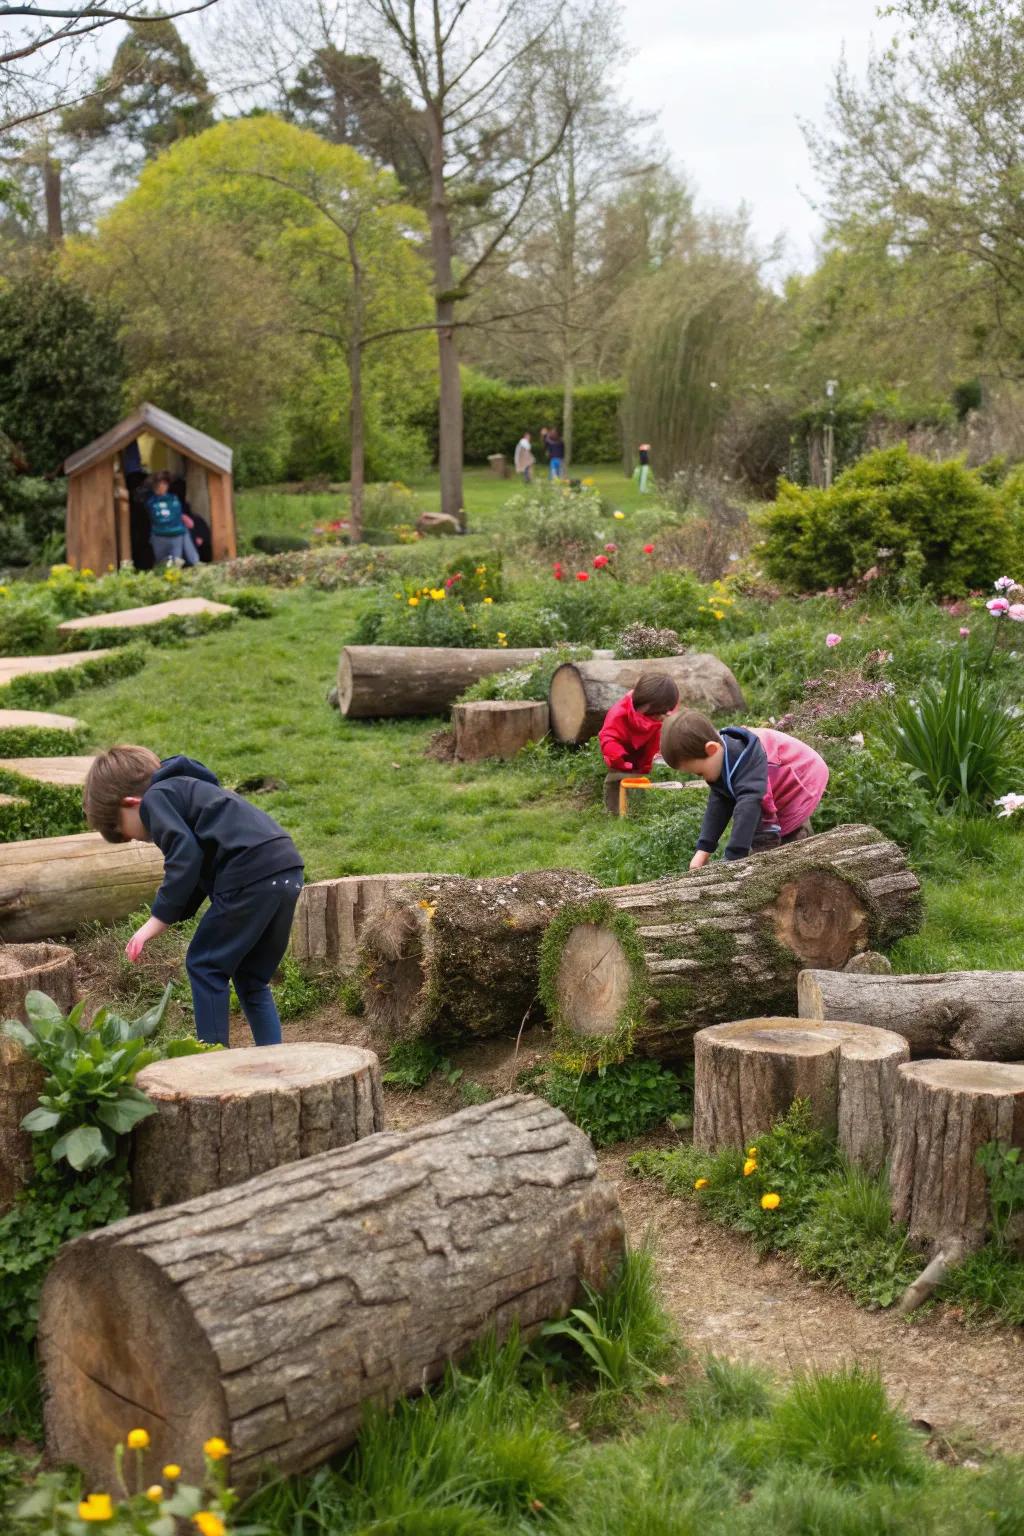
(242, 938)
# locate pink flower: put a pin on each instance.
(648, 549)
(600, 561)
(1016, 612)
(612, 548)
(964, 632)
(832, 641)
(582, 575)
(998, 606)
(1004, 583)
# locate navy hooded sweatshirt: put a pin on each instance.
(212, 840)
(737, 794)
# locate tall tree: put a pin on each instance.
(344, 98)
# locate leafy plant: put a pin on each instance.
(411, 1062)
(956, 738)
(616, 1102)
(1004, 1171)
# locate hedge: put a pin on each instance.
(495, 417)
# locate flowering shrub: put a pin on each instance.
(560, 520)
(638, 641)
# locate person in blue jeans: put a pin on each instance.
(167, 532)
(217, 846)
(555, 448)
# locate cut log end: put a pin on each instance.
(820, 919)
(594, 980)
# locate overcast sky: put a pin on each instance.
(730, 78)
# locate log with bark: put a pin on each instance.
(330, 915)
(748, 1073)
(455, 957)
(971, 1015)
(582, 692)
(25, 968)
(270, 1313)
(646, 965)
(226, 1116)
(388, 680)
(497, 727)
(945, 1112)
(53, 885)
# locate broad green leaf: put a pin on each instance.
(124, 1113)
(84, 1147)
(42, 1009)
(40, 1119)
(15, 1031)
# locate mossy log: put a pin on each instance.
(25, 968)
(53, 885)
(582, 692)
(644, 966)
(455, 957)
(376, 681)
(946, 1111)
(271, 1313)
(970, 1015)
(227, 1116)
(330, 915)
(498, 728)
(748, 1073)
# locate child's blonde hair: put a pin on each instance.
(116, 774)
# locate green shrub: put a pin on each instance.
(39, 810)
(618, 1102)
(872, 786)
(560, 521)
(27, 628)
(940, 517)
(41, 741)
(661, 842)
(495, 415)
(389, 505)
(39, 690)
(247, 601)
(957, 738)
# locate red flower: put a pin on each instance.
(611, 548)
(582, 575)
(600, 561)
(648, 549)
(558, 573)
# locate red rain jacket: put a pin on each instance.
(629, 740)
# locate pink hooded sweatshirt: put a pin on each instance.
(797, 777)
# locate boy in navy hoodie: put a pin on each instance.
(215, 845)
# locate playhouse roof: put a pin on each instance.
(149, 418)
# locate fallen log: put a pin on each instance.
(375, 681)
(971, 1015)
(53, 885)
(330, 915)
(454, 957)
(25, 968)
(497, 727)
(945, 1112)
(229, 1115)
(582, 692)
(270, 1313)
(646, 965)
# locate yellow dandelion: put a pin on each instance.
(429, 907)
(208, 1523)
(481, 570)
(700, 1183)
(437, 593)
(414, 602)
(97, 1506)
(488, 600)
(172, 1471)
(154, 1493)
(751, 1151)
(216, 1448)
(619, 515)
(138, 1439)
(770, 1202)
(749, 1167)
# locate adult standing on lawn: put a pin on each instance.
(555, 446)
(524, 460)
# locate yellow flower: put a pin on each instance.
(502, 637)
(96, 1507)
(717, 614)
(414, 602)
(172, 1471)
(437, 593)
(749, 1167)
(770, 1202)
(155, 1493)
(488, 599)
(209, 1523)
(700, 1183)
(138, 1439)
(429, 907)
(481, 570)
(619, 515)
(751, 1151)
(216, 1448)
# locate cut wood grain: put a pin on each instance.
(582, 692)
(498, 728)
(53, 885)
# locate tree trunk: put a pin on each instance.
(227, 1117)
(449, 405)
(330, 916)
(25, 968)
(497, 727)
(582, 692)
(568, 386)
(52, 198)
(945, 1111)
(973, 1015)
(271, 1313)
(357, 451)
(458, 957)
(53, 885)
(646, 965)
(390, 680)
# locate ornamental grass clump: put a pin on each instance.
(958, 738)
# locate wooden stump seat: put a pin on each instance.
(497, 727)
(25, 968)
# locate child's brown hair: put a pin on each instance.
(121, 772)
(655, 693)
(685, 736)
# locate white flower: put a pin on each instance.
(1004, 583)
(856, 740)
(1010, 804)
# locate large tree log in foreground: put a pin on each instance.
(271, 1312)
(330, 915)
(748, 1073)
(229, 1115)
(382, 680)
(25, 968)
(53, 885)
(582, 692)
(973, 1015)
(646, 965)
(456, 957)
(945, 1111)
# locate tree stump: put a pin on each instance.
(647, 965)
(376, 681)
(25, 968)
(227, 1116)
(52, 885)
(457, 957)
(945, 1111)
(271, 1313)
(970, 1015)
(582, 692)
(497, 727)
(748, 1073)
(330, 916)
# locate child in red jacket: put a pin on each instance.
(631, 734)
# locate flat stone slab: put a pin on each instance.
(138, 618)
(36, 720)
(69, 772)
(21, 666)
(12, 800)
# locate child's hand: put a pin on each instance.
(136, 944)
(699, 859)
(187, 520)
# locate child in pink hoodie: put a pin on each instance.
(631, 734)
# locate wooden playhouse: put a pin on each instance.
(103, 523)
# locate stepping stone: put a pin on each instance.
(21, 666)
(11, 800)
(68, 772)
(138, 618)
(36, 720)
